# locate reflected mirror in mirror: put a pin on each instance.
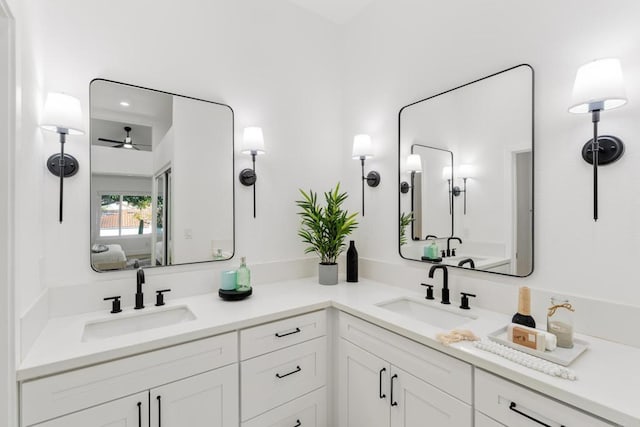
(473, 198)
(161, 178)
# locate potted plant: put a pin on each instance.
(324, 228)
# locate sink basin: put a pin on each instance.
(438, 317)
(150, 318)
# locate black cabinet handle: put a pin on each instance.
(298, 423)
(380, 394)
(512, 407)
(159, 412)
(279, 335)
(393, 402)
(298, 369)
(139, 414)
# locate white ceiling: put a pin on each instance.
(336, 11)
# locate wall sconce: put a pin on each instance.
(414, 166)
(464, 172)
(62, 114)
(599, 86)
(253, 144)
(362, 150)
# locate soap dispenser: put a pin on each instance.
(243, 276)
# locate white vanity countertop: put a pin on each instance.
(608, 373)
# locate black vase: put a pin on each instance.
(352, 262)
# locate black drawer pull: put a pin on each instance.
(393, 402)
(512, 406)
(279, 335)
(159, 412)
(380, 394)
(298, 369)
(298, 423)
(139, 414)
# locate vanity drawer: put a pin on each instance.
(278, 377)
(55, 395)
(283, 333)
(309, 410)
(512, 405)
(438, 369)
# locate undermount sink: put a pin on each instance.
(439, 317)
(150, 318)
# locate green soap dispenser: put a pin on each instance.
(432, 250)
(243, 276)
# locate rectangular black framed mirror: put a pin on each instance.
(466, 175)
(162, 187)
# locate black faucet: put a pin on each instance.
(467, 261)
(139, 294)
(449, 239)
(445, 281)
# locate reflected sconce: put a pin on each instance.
(414, 166)
(464, 172)
(362, 150)
(253, 144)
(62, 114)
(599, 86)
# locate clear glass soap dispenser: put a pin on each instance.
(243, 276)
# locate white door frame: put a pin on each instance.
(8, 385)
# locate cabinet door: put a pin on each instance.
(483, 421)
(415, 403)
(132, 411)
(205, 400)
(363, 388)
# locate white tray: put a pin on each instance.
(561, 356)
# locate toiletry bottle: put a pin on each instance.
(352, 262)
(432, 252)
(243, 276)
(560, 321)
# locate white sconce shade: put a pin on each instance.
(362, 147)
(466, 171)
(252, 141)
(62, 111)
(414, 163)
(599, 85)
(446, 173)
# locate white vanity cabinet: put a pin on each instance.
(125, 412)
(197, 380)
(284, 372)
(515, 406)
(387, 380)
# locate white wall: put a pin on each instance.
(202, 205)
(274, 63)
(398, 52)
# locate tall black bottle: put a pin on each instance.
(352, 262)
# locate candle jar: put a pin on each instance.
(560, 321)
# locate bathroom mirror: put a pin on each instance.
(161, 178)
(475, 144)
(436, 221)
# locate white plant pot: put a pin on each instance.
(328, 274)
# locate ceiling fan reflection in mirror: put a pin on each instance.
(127, 142)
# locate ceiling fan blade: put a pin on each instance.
(110, 140)
(135, 148)
(141, 145)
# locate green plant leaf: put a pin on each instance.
(324, 228)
